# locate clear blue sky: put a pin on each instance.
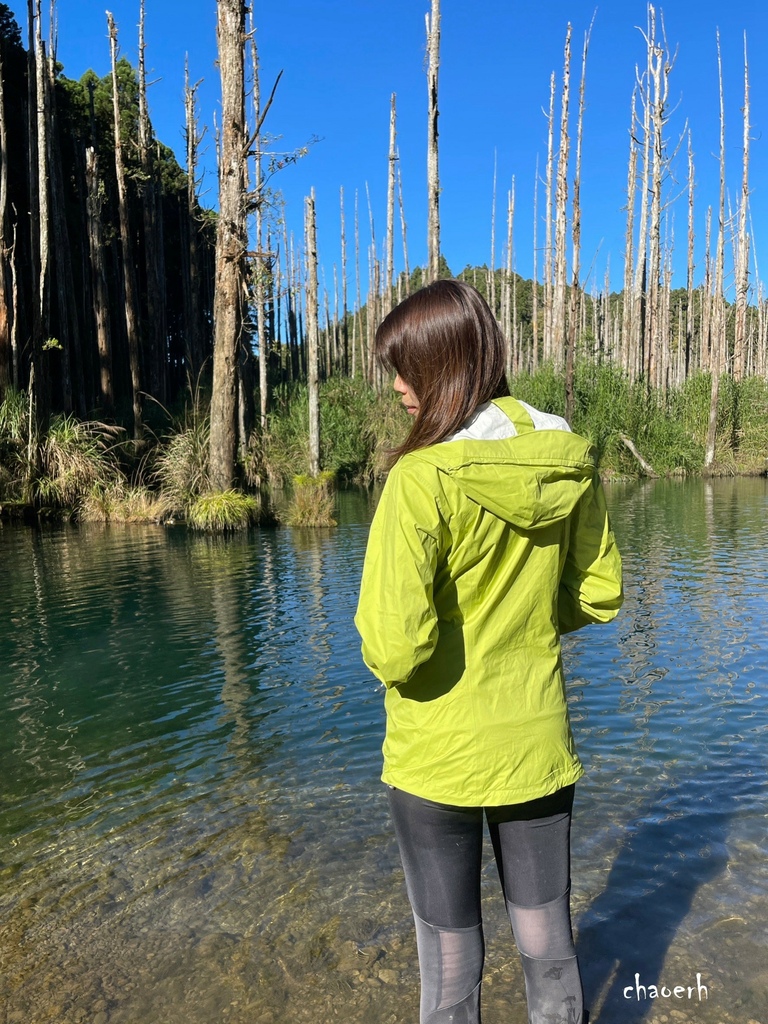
(343, 59)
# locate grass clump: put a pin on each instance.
(313, 502)
(181, 466)
(75, 456)
(222, 511)
(120, 503)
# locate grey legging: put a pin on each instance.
(441, 849)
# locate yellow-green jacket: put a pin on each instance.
(483, 550)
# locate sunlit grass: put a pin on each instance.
(223, 511)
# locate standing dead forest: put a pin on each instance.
(162, 359)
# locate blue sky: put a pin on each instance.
(342, 60)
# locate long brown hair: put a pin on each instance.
(445, 344)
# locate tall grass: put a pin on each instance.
(313, 502)
(668, 430)
(356, 427)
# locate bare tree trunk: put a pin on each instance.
(547, 347)
(310, 245)
(491, 283)
(390, 271)
(638, 295)
(99, 280)
(706, 296)
(290, 311)
(259, 267)
(358, 324)
(15, 380)
(194, 347)
(516, 338)
(718, 336)
(509, 316)
(659, 67)
(372, 316)
(155, 304)
(742, 257)
(41, 335)
(433, 180)
(689, 277)
(534, 282)
(561, 204)
(337, 363)
(5, 317)
(72, 392)
(231, 244)
(627, 326)
(34, 205)
(345, 326)
(131, 315)
(573, 313)
(404, 232)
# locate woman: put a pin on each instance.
(490, 540)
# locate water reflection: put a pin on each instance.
(191, 823)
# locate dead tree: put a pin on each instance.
(534, 282)
(131, 306)
(42, 193)
(99, 278)
(573, 313)
(154, 297)
(627, 322)
(547, 347)
(404, 232)
(392, 164)
(192, 317)
(491, 282)
(742, 252)
(357, 326)
(310, 246)
(231, 243)
(660, 65)
(433, 179)
(718, 331)
(690, 267)
(260, 263)
(561, 203)
(344, 327)
(5, 313)
(71, 366)
(637, 357)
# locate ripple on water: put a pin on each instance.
(191, 820)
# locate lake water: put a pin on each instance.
(191, 823)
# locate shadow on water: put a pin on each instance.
(672, 849)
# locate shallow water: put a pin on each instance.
(191, 823)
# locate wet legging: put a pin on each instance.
(441, 849)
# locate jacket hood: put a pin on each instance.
(522, 465)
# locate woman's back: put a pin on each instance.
(460, 604)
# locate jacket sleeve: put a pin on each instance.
(396, 615)
(591, 584)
